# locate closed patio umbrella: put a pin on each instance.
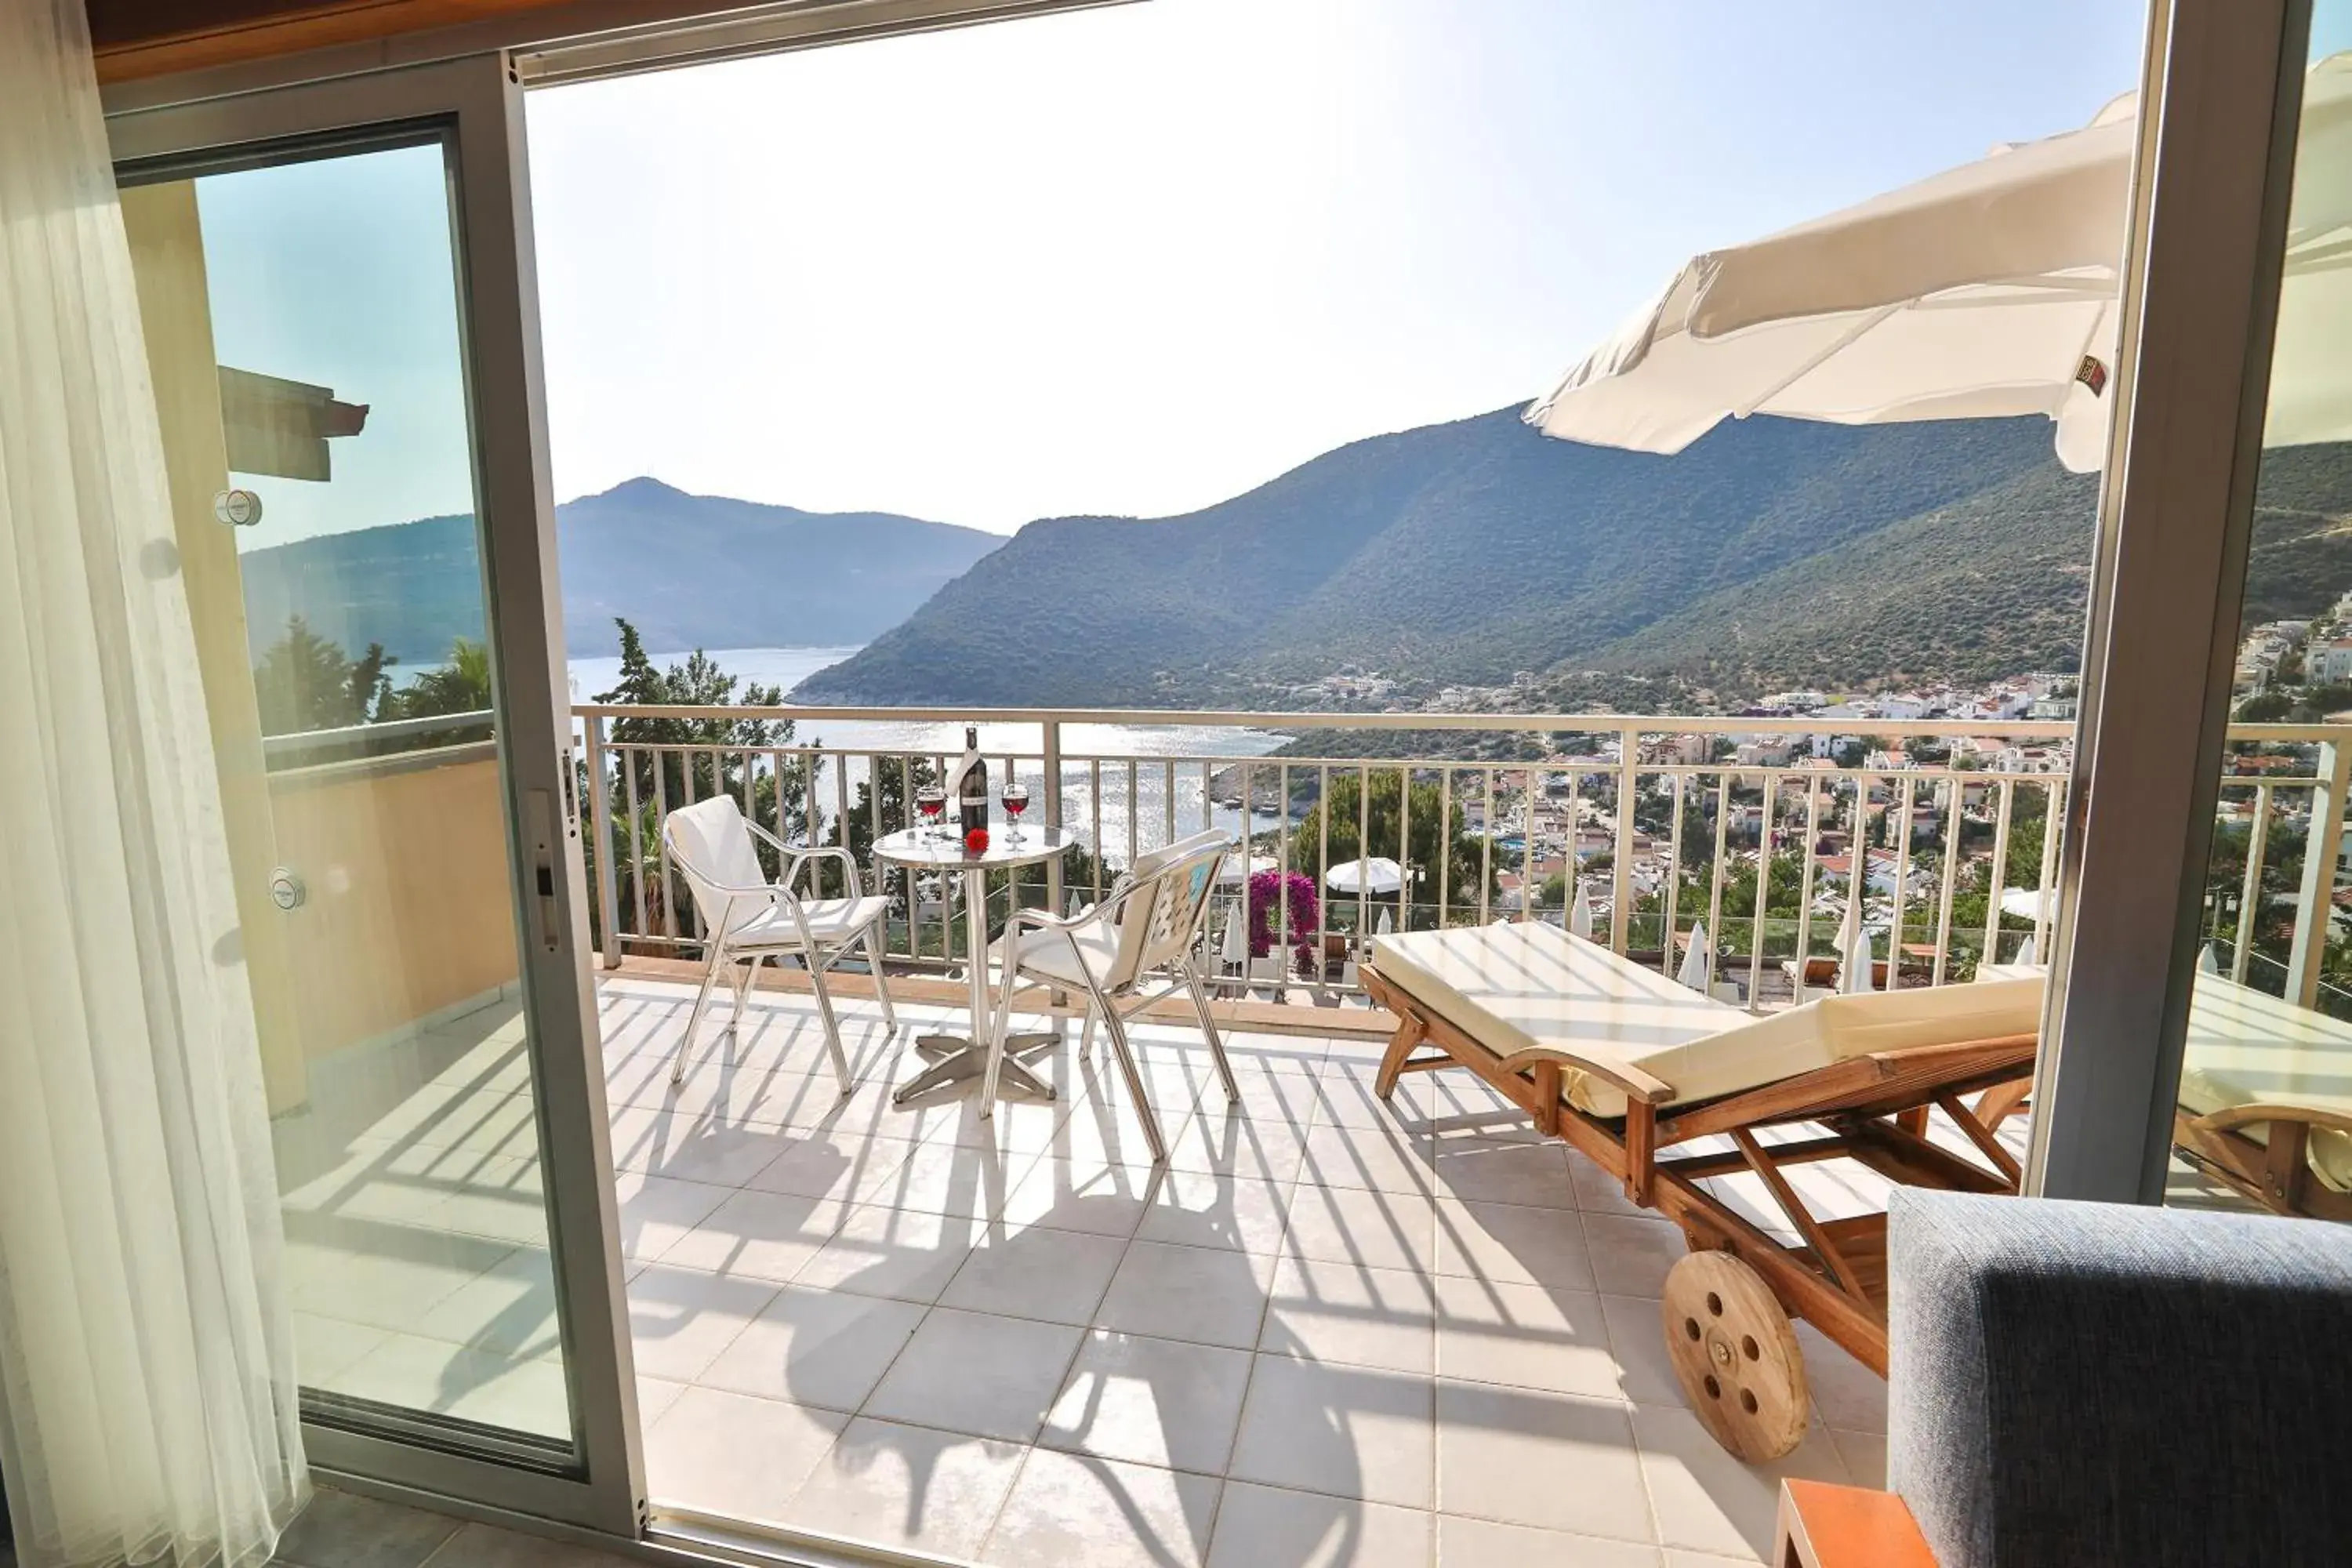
(1986, 291)
(1377, 875)
(1692, 973)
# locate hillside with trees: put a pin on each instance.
(1467, 552)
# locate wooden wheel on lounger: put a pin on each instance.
(1736, 1355)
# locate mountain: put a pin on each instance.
(1460, 553)
(690, 571)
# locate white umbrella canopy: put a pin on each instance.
(1983, 291)
(1377, 875)
(1232, 871)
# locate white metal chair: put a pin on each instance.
(1150, 923)
(745, 916)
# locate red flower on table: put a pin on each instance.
(976, 841)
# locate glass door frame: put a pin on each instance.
(475, 104)
(2199, 304)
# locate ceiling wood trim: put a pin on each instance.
(293, 30)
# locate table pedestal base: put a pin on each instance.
(956, 1058)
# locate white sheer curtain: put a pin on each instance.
(147, 1396)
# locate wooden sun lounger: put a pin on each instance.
(2263, 1101)
(1591, 1059)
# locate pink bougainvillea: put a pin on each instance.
(1265, 894)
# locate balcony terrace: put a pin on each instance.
(1330, 1330)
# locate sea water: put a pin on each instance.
(1164, 792)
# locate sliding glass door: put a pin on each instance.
(336, 296)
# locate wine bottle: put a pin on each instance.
(972, 781)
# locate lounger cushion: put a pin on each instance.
(2247, 1048)
(1512, 987)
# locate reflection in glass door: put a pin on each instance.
(2263, 1120)
(305, 332)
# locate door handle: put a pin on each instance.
(539, 822)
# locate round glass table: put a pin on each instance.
(958, 1056)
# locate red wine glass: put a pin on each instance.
(1016, 801)
(931, 800)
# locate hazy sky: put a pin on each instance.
(1137, 259)
(1131, 260)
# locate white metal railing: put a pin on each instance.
(1946, 830)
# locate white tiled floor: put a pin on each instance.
(1332, 1331)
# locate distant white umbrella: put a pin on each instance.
(1861, 965)
(1984, 292)
(1235, 946)
(2206, 961)
(1377, 875)
(1693, 970)
(2028, 951)
(2036, 904)
(1579, 912)
(1233, 870)
(1384, 926)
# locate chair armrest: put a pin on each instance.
(796, 856)
(1633, 1080)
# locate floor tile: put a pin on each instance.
(655, 1211)
(1597, 1191)
(732, 1454)
(759, 1236)
(1227, 1141)
(522, 1393)
(1152, 1402)
(899, 1253)
(1630, 1256)
(1062, 1194)
(1349, 1224)
(1529, 1336)
(1637, 1337)
(1209, 1295)
(507, 1310)
(656, 1394)
(1864, 1454)
(692, 1148)
(1058, 1276)
(325, 1348)
(944, 1178)
(1512, 1244)
(1480, 1170)
(1386, 1159)
(1849, 1396)
(487, 1546)
(908, 1488)
(1268, 1527)
(823, 1348)
(1481, 1543)
(1345, 1431)
(1556, 1461)
(1194, 1208)
(1067, 1509)
(1355, 1316)
(972, 1371)
(344, 1530)
(1708, 1500)
(831, 1164)
(681, 1319)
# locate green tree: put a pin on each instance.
(1438, 836)
(305, 682)
(675, 762)
(461, 686)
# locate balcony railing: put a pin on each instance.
(1933, 841)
